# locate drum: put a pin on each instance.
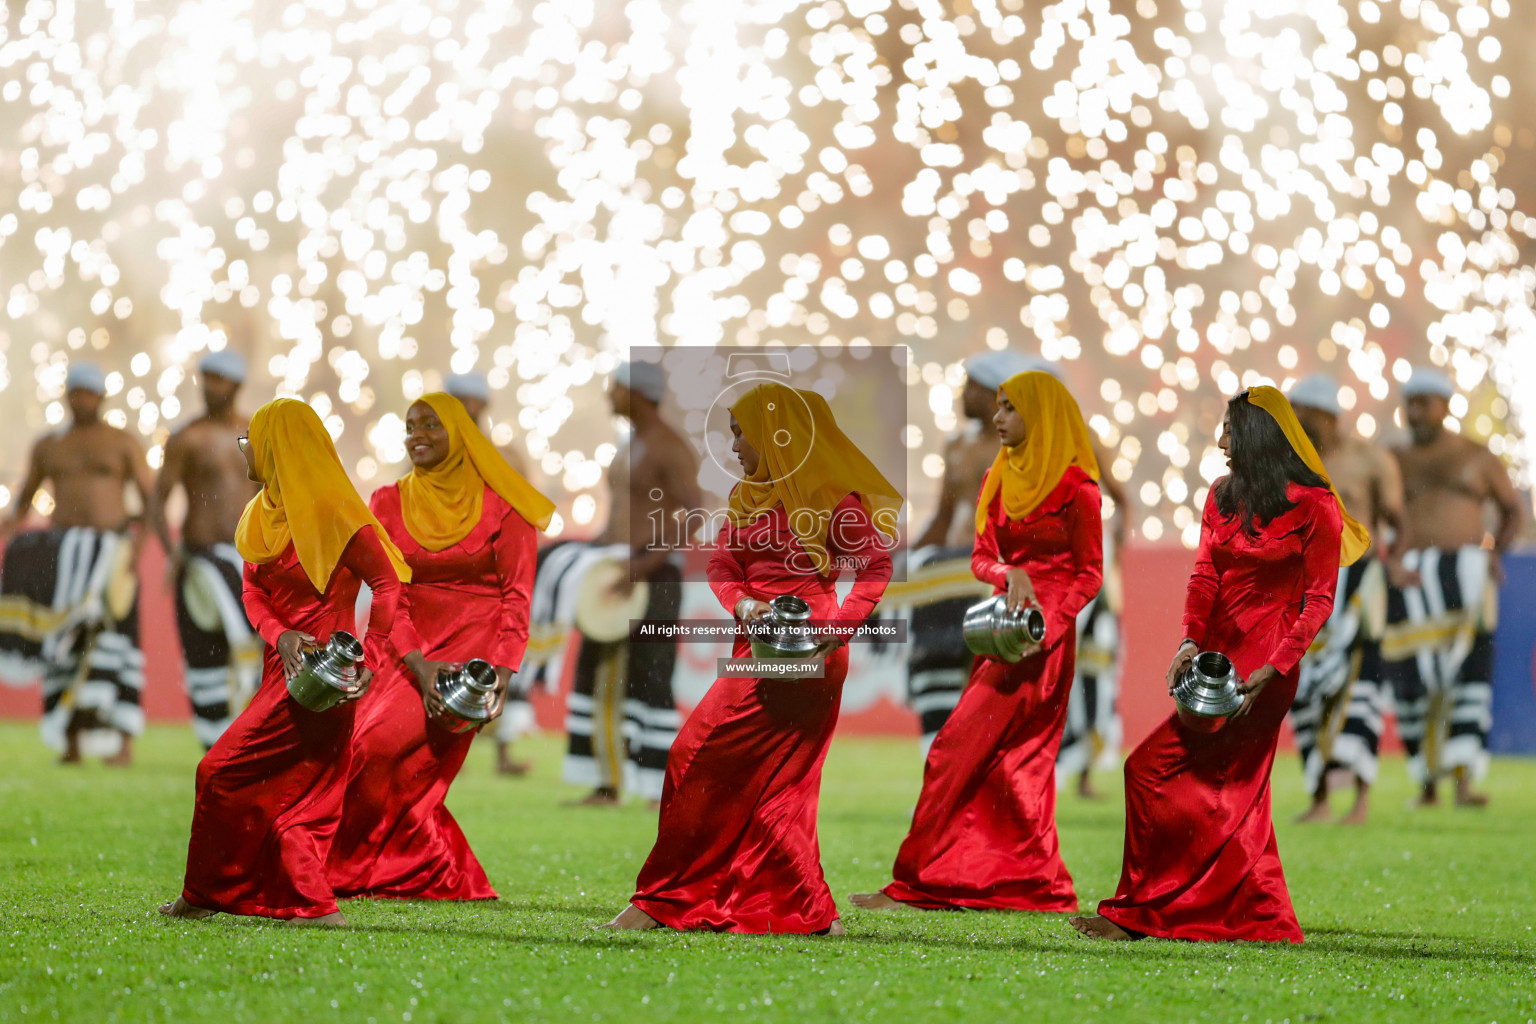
(602, 615)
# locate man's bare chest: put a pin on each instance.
(1425, 474)
(84, 455)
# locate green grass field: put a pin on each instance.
(1422, 915)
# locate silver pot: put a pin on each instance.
(469, 694)
(785, 632)
(995, 632)
(329, 672)
(1208, 688)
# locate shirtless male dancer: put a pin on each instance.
(222, 654)
(1438, 647)
(90, 664)
(1340, 704)
(622, 718)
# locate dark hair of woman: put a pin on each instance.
(1263, 462)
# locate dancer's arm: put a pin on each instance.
(986, 564)
(258, 607)
(727, 575)
(389, 620)
(1320, 580)
(1086, 517)
(264, 618)
(855, 539)
(516, 559)
(1201, 594)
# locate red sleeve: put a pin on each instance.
(1202, 582)
(516, 559)
(986, 564)
(404, 636)
(1320, 540)
(388, 619)
(258, 608)
(853, 538)
(727, 576)
(1086, 519)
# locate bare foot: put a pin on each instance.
(1358, 813)
(506, 766)
(631, 919)
(71, 756)
(333, 920)
(1465, 797)
(1099, 928)
(122, 759)
(1085, 788)
(600, 797)
(874, 901)
(181, 908)
(1428, 796)
(836, 928)
(1317, 812)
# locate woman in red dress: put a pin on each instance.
(269, 791)
(984, 833)
(1200, 855)
(736, 847)
(465, 521)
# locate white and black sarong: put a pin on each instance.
(221, 652)
(69, 619)
(1092, 733)
(621, 717)
(1437, 654)
(939, 588)
(1341, 700)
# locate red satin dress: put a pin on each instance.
(1200, 855)
(984, 832)
(470, 600)
(269, 792)
(736, 847)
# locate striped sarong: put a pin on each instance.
(621, 717)
(937, 589)
(1341, 700)
(69, 619)
(1092, 732)
(221, 652)
(1437, 654)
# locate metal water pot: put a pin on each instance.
(329, 672)
(995, 632)
(785, 632)
(469, 693)
(1206, 694)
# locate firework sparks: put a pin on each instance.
(1173, 200)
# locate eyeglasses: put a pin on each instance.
(244, 442)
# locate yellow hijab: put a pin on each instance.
(307, 497)
(1055, 439)
(808, 465)
(1356, 538)
(442, 504)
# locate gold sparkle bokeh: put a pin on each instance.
(1172, 199)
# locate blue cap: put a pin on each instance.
(224, 363)
(1318, 391)
(468, 385)
(1426, 380)
(85, 377)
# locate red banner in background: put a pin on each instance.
(1153, 581)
